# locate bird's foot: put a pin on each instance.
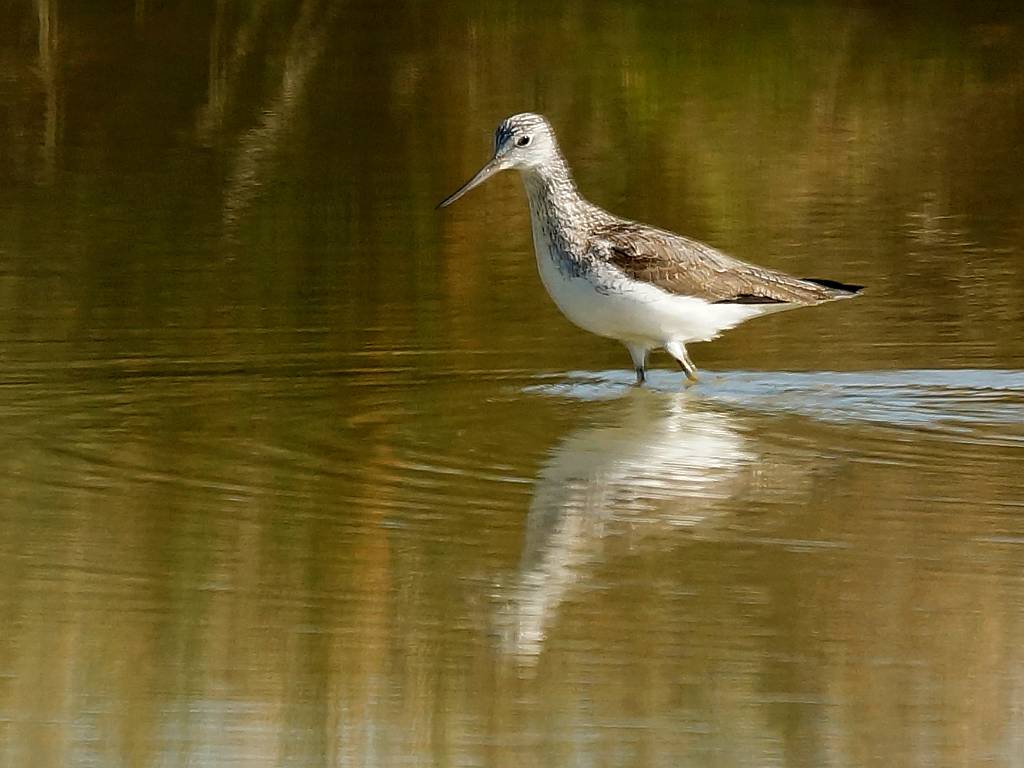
(687, 367)
(678, 353)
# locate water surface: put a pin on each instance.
(296, 470)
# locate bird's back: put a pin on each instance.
(686, 267)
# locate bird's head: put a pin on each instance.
(524, 141)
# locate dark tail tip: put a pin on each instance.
(835, 285)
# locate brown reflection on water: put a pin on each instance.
(258, 146)
(762, 587)
(295, 470)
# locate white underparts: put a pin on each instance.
(638, 314)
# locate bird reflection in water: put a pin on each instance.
(664, 467)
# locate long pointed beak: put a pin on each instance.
(492, 167)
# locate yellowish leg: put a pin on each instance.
(679, 354)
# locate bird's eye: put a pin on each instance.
(522, 141)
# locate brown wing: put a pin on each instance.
(689, 268)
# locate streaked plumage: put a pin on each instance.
(644, 286)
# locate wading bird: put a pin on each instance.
(644, 286)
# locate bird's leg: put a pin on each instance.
(639, 355)
(678, 352)
(687, 366)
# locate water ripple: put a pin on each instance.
(968, 404)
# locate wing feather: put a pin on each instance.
(687, 267)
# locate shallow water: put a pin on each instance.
(296, 470)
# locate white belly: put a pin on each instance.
(636, 312)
